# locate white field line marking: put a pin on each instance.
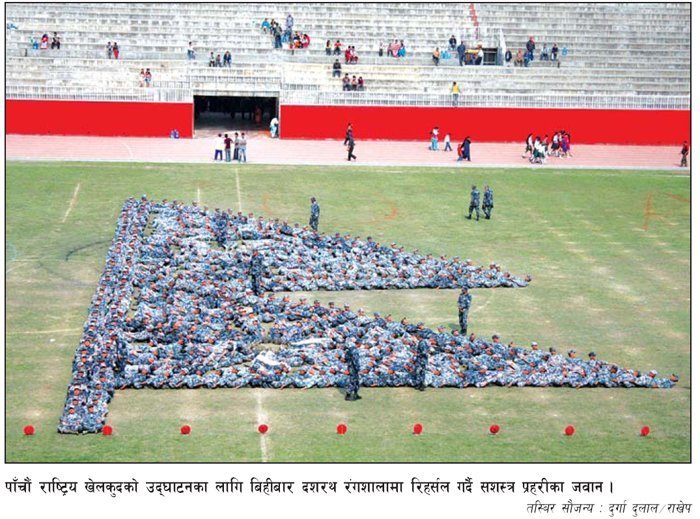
(72, 203)
(262, 418)
(238, 191)
(199, 196)
(128, 148)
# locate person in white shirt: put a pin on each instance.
(219, 148)
(274, 127)
(447, 143)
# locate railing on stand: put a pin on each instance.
(605, 102)
(144, 95)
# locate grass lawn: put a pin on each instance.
(609, 252)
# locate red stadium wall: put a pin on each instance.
(587, 126)
(98, 118)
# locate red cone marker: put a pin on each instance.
(494, 429)
(28, 430)
(645, 431)
(342, 428)
(569, 431)
(107, 430)
(417, 428)
(185, 429)
(262, 428)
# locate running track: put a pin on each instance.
(263, 150)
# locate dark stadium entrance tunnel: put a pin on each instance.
(213, 114)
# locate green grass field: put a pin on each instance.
(609, 252)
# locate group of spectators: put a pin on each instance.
(112, 50)
(537, 149)
(354, 83)
(523, 59)
(182, 305)
(146, 78)
(218, 61)
(43, 42)
(227, 148)
(395, 49)
(299, 40)
(280, 35)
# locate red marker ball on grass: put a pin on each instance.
(569, 431)
(262, 428)
(494, 429)
(28, 430)
(417, 428)
(107, 430)
(645, 431)
(342, 428)
(185, 429)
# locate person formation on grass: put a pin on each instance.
(182, 304)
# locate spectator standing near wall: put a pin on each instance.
(455, 93)
(274, 127)
(219, 148)
(190, 51)
(242, 148)
(115, 50)
(448, 146)
(351, 147)
(434, 136)
(348, 134)
(227, 147)
(685, 150)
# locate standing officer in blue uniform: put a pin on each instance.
(352, 359)
(464, 302)
(474, 203)
(315, 213)
(487, 205)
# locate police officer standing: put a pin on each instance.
(352, 359)
(474, 203)
(421, 362)
(487, 205)
(464, 302)
(256, 270)
(315, 213)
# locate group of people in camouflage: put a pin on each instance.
(188, 299)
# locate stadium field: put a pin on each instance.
(609, 253)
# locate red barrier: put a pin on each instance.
(33, 117)
(587, 126)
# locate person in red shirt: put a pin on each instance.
(227, 147)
